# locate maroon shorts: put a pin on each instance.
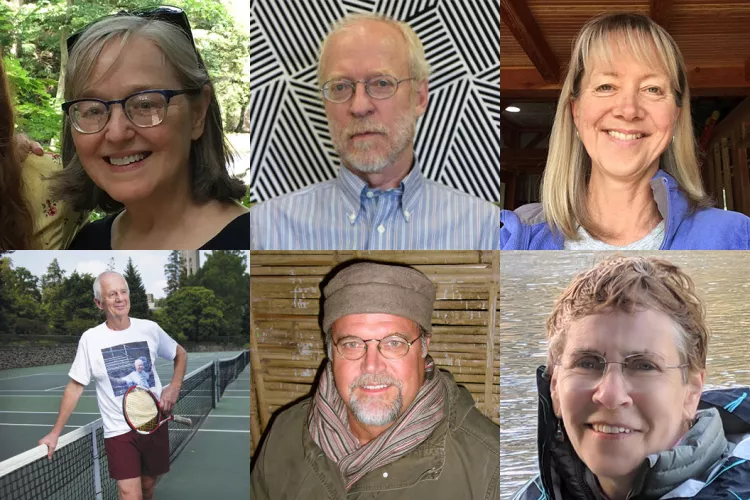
(134, 455)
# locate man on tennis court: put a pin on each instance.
(383, 419)
(106, 352)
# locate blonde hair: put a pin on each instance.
(419, 68)
(627, 284)
(566, 174)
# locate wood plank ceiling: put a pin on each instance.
(536, 37)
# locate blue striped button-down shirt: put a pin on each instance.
(346, 214)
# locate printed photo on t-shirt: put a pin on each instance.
(128, 365)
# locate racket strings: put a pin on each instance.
(142, 410)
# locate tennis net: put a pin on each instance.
(230, 369)
(78, 469)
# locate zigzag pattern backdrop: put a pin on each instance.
(458, 138)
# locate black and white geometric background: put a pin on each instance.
(457, 139)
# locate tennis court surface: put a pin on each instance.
(210, 460)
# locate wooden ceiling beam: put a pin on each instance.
(525, 82)
(661, 11)
(520, 21)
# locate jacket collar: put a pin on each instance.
(354, 191)
(561, 469)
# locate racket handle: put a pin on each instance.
(182, 420)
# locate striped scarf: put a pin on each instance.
(329, 426)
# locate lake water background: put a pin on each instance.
(529, 284)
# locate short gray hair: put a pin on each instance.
(423, 334)
(209, 155)
(419, 68)
(98, 284)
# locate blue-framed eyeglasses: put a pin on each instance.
(144, 109)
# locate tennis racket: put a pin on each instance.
(143, 413)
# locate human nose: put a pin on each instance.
(373, 360)
(628, 105)
(612, 389)
(361, 102)
(119, 127)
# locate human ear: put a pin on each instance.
(198, 110)
(693, 395)
(555, 395)
(421, 98)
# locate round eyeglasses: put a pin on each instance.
(379, 87)
(640, 370)
(393, 347)
(144, 109)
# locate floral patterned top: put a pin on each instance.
(55, 222)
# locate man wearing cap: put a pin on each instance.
(383, 421)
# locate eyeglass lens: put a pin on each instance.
(144, 110)
(381, 87)
(390, 347)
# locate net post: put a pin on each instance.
(215, 382)
(96, 468)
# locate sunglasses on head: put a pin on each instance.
(166, 13)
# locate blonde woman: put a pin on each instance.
(622, 171)
(622, 412)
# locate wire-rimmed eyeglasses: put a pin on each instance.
(144, 109)
(638, 369)
(391, 347)
(379, 87)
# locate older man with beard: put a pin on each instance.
(373, 74)
(384, 421)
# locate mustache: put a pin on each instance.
(365, 127)
(374, 379)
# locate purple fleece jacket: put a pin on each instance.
(704, 229)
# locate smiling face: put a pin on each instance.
(372, 134)
(614, 423)
(115, 300)
(625, 114)
(377, 390)
(131, 163)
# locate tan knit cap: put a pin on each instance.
(368, 287)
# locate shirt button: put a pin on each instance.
(385, 474)
(370, 194)
(381, 229)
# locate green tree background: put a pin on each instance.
(211, 305)
(32, 41)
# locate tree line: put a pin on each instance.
(206, 306)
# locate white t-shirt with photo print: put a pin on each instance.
(108, 356)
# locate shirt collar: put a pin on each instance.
(354, 190)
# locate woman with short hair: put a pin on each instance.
(622, 170)
(621, 409)
(143, 139)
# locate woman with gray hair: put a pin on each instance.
(143, 139)
(621, 414)
(622, 170)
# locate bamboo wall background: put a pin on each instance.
(286, 344)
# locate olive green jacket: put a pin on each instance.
(460, 460)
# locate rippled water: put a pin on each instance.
(529, 284)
